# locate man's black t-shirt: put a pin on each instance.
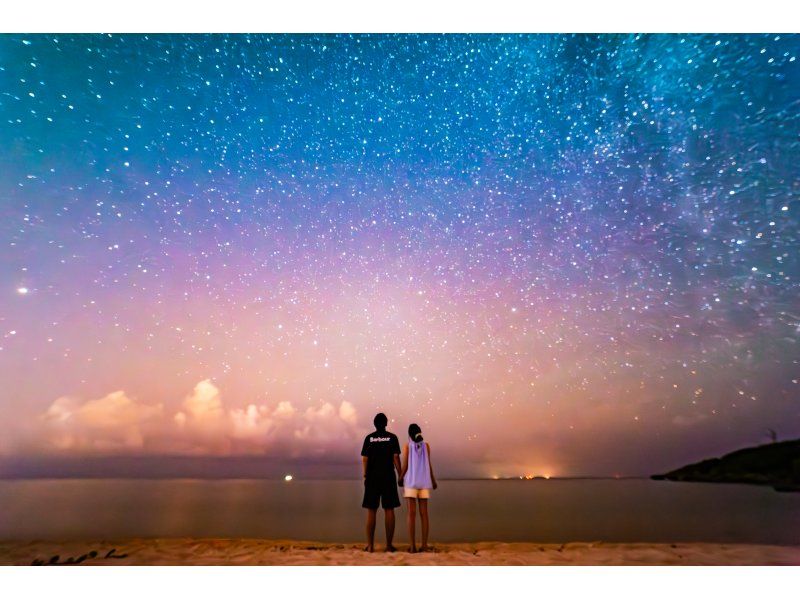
(380, 449)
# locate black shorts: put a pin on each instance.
(380, 493)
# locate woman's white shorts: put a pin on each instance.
(416, 493)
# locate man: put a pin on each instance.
(380, 457)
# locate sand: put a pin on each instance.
(287, 552)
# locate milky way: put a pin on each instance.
(559, 254)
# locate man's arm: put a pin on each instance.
(397, 465)
(364, 453)
(396, 455)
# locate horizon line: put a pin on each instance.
(315, 479)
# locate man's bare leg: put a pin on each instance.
(371, 517)
(388, 515)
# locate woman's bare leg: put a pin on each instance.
(412, 523)
(423, 515)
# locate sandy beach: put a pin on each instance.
(285, 552)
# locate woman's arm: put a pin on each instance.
(430, 464)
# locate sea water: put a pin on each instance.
(460, 510)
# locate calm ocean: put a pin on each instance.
(468, 511)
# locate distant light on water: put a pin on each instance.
(288, 478)
(529, 476)
(22, 290)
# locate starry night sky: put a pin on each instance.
(559, 254)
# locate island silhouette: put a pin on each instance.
(776, 464)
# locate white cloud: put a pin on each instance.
(202, 425)
(326, 423)
(204, 404)
(284, 409)
(113, 422)
(347, 413)
(252, 423)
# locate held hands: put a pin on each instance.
(400, 482)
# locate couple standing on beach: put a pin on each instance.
(380, 456)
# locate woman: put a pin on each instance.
(417, 479)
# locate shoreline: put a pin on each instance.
(224, 551)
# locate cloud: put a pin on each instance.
(252, 423)
(325, 424)
(204, 404)
(113, 422)
(203, 425)
(347, 413)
